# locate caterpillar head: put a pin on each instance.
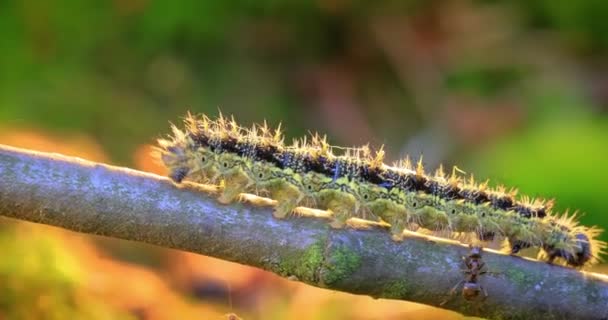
(176, 158)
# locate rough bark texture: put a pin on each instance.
(122, 203)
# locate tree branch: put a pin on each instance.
(99, 199)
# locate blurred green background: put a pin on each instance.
(513, 91)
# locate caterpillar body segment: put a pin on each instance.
(386, 205)
(521, 232)
(264, 179)
(463, 217)
(424, 212)
(282, 185)
(355, 182)
(332, 195)
(204, 166)
(232, 169)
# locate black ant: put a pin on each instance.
(475, 268)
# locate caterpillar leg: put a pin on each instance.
(285, 208)
(397, 237)
(255, 200)
(338, 220)
(432, 219)
(486, 236)
(340, 214)
(397, 231)
(288, 197)
(517, 245)
(550, 257)
(233, 186)
(343, 206)
(361, 224)
(230, 194)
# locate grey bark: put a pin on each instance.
(117, 202)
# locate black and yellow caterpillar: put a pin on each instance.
(355, 182)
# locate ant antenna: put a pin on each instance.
(229, 295)
(231, 315)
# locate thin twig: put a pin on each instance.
(99, 199)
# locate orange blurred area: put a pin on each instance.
(169, 284)
(144, 161)
(77, 145)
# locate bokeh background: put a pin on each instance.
(514, 91)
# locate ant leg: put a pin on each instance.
(453, 290)
(451, 293)
(485, 293)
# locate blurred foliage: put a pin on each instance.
(41, 280)
(515, 91)
(579, 23)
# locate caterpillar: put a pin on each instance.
(356, 183)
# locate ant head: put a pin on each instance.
(475, 251)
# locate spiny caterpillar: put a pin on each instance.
(355, 183)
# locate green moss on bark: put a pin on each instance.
(396, 290)
(304, 266)
(340, 263)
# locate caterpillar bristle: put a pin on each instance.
(598, 247)
(420, 168)
(354, 182)
(440, 173)
(378, 160)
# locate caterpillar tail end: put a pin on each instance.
(585, 250)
